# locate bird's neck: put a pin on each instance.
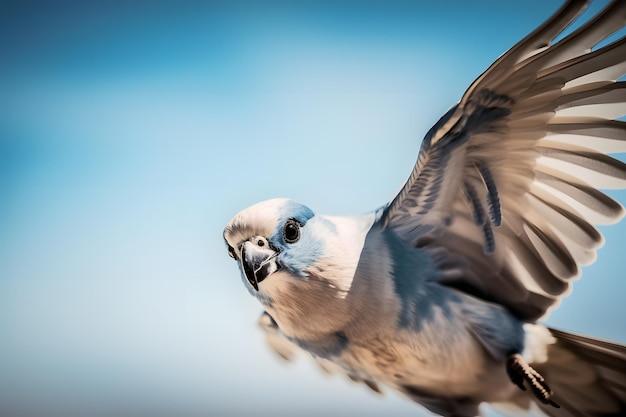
(334, 295)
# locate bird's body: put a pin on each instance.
(398, 340)
(438, 293)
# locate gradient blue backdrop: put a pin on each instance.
(130, 135)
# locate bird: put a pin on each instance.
(440, 293)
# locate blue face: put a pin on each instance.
(298, 238)
(276, 235)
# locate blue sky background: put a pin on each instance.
(130, 135)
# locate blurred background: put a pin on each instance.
(130, 134)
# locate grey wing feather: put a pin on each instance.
(509, 178)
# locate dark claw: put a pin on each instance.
(519, 371)
(515, 376)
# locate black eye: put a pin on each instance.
(231, 252)
(291, 231)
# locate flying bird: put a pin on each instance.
(439, 293)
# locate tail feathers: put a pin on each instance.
(588, 376)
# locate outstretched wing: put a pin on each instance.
(508, 179)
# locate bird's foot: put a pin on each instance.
(520, 371)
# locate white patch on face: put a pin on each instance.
(343, 246)
(260, 219)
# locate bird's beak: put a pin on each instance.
(258, 262)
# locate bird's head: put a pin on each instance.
(273, 236)
(295, 262)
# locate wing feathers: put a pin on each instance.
(493, 201)
(552, 252)
(582, 40)
(592, 205)
(606, 102)
(518, 164)
(567, 222)
(532, 44)
(598, 170)
(477, 207)
(608, 57)
(602, 135)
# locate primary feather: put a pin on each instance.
(526, 145)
